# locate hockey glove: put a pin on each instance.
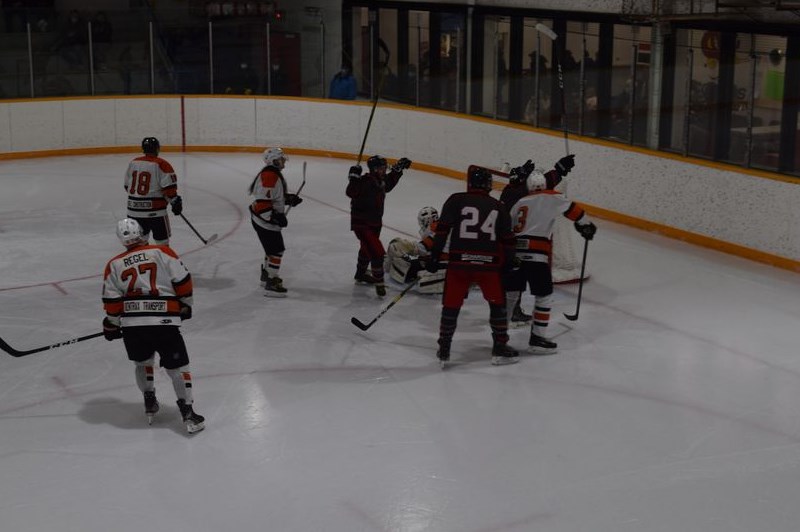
(587, 230)
(111, 331)
(402, 164)
(186, 312)
(279, 219)
(355, 172)
(414, 267)
(432, 265)
(522, 172)
(177, 205)
(293, 200)
(565, 164)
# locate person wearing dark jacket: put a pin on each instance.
(367, 193)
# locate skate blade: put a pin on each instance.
(194, 428)
(277, 295)
(150, 418)
(504, 361)
(534, 350)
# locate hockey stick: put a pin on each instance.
(16, 353)
(573, 317)
(374, 105)
(299, 189)
(358, 323)
(550, 34)
(211, 239)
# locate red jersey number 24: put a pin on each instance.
(473, 228)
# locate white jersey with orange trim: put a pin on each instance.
(533, 218)
(151, 184)
(146, 285)
(269, 193)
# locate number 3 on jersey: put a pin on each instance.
(471, 227)
(140, 183)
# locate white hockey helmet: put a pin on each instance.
(537, 181)
(426, 216)
(273, 155)
(130, 232)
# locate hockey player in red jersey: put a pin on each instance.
(367, 193)
(533, 217)
(147, 293)
(481, 246)
(268, 215)
(152, 185)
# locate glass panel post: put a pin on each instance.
(751, 100)
(269, 59)
(152, 58)
(30, 57)
(687, 106)
(91, 57)
(210, 57)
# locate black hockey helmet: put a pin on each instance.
(375, 162)
(151, 146)
(479, 178)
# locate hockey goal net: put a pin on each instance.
(567, 249)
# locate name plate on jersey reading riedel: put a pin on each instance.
(144, 306)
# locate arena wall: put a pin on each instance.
(747, 213)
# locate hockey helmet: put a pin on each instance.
(426, 216)
(275, 157)
(479, 178)
(375, 162)
(130, 232)
(151, 146)
(537, 181)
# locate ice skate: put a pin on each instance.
(264, 276)
(502, 354)
(541, 346)
(274, 287)
(519, 318)
(364, 278)
(194, 422)
(150, 406)
(443, 354)
(380, 289)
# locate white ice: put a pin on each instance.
(672, 406)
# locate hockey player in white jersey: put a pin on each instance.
(532, 218)
(147, 293)
(271, 199)
(151, 184)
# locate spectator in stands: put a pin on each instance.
(343, 85)
(101, 38)
(72, 42)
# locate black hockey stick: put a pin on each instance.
(374, 105)
(573, 317)
(16, 353)
(211, 239)
(300, 189)
(361, 325)
(541, 28)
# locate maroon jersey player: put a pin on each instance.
(481, 246)
(367, 194)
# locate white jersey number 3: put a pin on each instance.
(471, 225)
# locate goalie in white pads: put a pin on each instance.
(147, 293)
(532, 218)
(404, 256)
